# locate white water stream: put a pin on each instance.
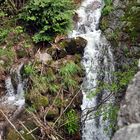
(98, 64)
(14, 97)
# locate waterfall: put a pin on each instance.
(14, 96)
(99, 66)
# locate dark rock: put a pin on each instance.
(75, 45)
(52, 113)
(70, 46)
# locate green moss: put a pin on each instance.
(13, 135)
(104, 23)
(59, 102)
(52, 113)
(39, 101)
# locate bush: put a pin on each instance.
(132, 20)
(48, 18)
(71, 123)
(108, 7)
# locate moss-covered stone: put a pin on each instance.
(74, 45)
(52, 113)
(39, 101)
(104, 23)
(13, 135)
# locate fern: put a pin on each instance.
(68, 72)
(69, 69)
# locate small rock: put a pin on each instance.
(43, 57)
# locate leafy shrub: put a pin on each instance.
(108, 7)
(47, 18)
(132, 20)
(3, 34)
(71, 122)
(68, 72)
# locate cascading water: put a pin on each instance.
(98, 63)
(14, 97)
(12, 104)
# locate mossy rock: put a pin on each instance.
(104, 23)
(39, 101)
(59, 102)
(57, 53)
(21, 53)
(74, 45)
(52, 113)
(13, 135)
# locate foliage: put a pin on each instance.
(109, 109)
(3, 34)
(48, 18)
(2, 14)
(67, 72)
(110, 113)
(108, 7)
(29, 70)
(7, 55)
(48, 93)
(71, 123)
(132, 20)
(50, 81)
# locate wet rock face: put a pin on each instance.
(130, 108)
(129, 114)
(94, 5)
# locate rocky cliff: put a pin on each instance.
(129, 114)
(125, 44)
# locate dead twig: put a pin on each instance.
(27, 130)
(66, 108)
(12, 124)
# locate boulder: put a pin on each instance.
(69, 46)
(43, 57)
(131, 132)
(130, 107)
(129, 114)
(74, 45)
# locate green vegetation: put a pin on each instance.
(61, 85)
(71, 122)
(50, 82)
(109, 110)
(108, 7)
(67, 72)
(3, 34)
(54, 86)
(132, 20)
(48, 18)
